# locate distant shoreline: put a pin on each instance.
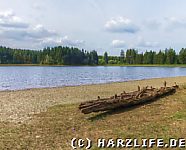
(109, 65)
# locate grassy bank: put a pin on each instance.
(28, 65)
(119, 65)
(148, 65)
(54, 128)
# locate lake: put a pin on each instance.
(25, 77)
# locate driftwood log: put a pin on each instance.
(126, 99)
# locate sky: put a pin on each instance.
(101, 25)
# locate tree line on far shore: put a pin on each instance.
(73, 56)
(50, 56)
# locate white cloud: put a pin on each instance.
(40, 32)
(120, 25)
(9, 20)
(118, 43)
(163, 23)
(13, 34)
(173, 23)
(15, 29)
(149, 44)
(64, 41)
(5, 14)
(153, 24)
(31, 33)
(36, 6)
(167, 23)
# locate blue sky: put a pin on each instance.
(103, 25)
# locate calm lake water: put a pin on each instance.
(14, 78)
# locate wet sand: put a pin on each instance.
(18, 106)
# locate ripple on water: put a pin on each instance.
(13, 78)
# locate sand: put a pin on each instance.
(19, 106)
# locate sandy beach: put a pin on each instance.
(49, 118)
(18, 106)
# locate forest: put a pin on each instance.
(73, 56)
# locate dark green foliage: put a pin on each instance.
(106, 58)
(149, 57)
(182, 56)
(160, 58)
(74, 56)
(57, 56)
(16, 56)
(170, 56)
(122, 56)
(139, 59)
(131, 56)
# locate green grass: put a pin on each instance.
(180, 115)
(127, 65)
(28, 65)
(54, 129)
(148, 65)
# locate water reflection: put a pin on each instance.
(13, 78)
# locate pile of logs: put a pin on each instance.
(126, 99)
